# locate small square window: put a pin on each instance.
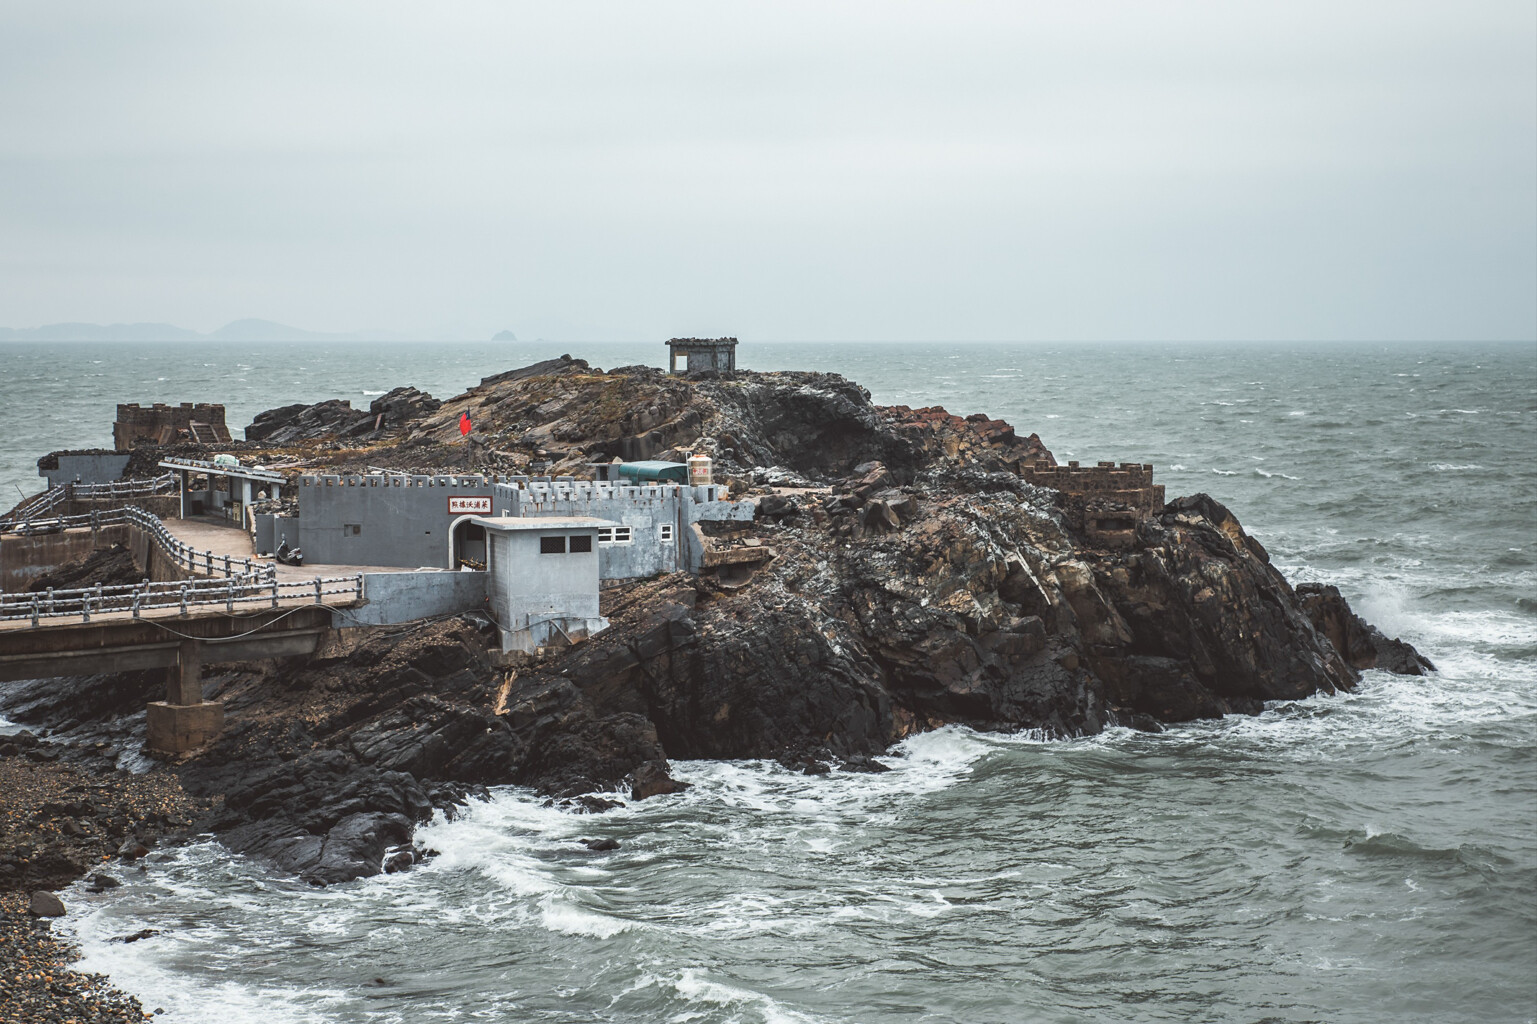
(580, 544)
(552, 545)
(665, 533)
(622, 535)
(352, 529)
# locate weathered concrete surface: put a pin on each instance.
(25, 558)
(120, 643)
(402, 522)
(179, 728)
(391, 597)
(222, 539)
(96, 467)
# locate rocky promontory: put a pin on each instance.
(914, 578)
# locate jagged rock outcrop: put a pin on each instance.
(920, 582)
(1360, 643)
(336, 418)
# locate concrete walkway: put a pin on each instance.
(223, 538)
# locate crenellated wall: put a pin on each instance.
(1105, 501)
(405, 521)
(386, 520)
(202, 422)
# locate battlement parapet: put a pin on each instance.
(1106, 500)
(392, 480)
(529, 489)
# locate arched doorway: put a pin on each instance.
(467, 544)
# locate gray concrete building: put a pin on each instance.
(694, 355)
(83, 468)
(438, 521)
(542, 578)
(651, 532)
(392, 520)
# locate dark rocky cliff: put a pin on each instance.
(916, 580)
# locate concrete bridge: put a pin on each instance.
(195, 604)
(164, 639)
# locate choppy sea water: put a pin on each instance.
(1364, 857)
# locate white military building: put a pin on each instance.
(542, 578)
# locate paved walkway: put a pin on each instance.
(222, 538)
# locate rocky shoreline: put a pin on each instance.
(916, 579)
(64, 818)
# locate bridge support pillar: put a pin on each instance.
(184, 720)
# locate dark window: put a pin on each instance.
(581, 544)
(353, 528)
(552, 545)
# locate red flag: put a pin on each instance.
(464, 423)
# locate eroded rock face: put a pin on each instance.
(916, 581)
(336, 418)
(1360, 643)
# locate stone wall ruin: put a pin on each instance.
(202, 423)
(1104, 501)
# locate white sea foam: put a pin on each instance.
(1298, 412)
(367, 392)
(1225, 472)
(1278, 473)
(1452, 467)
(559, 915)
(1176, 468)
(693, 985)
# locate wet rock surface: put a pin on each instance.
(111, 567)
(64, 814)
(1358, 641)
(915, 581)
(36, 984)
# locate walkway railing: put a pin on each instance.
(36, 506)
(181, 595)
(124, 488)
(40, 505)
(184, 555)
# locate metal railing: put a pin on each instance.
(180, 595)
(184, 555)
(40, 505)
(124, 488)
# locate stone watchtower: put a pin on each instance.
(718, 354)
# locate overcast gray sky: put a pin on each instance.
(1085, 170)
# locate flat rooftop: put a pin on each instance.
(543, 522)
(244, 472)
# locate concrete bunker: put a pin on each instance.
(696, 355)
(542, 579)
